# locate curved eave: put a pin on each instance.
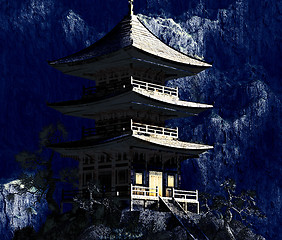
(136, 98)
(130, 34)
(126, 56)
(111, 42)
(190, 148)
(127, 141)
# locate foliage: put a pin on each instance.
(38, 176)
(26, 233)
(242, 205)
(102, 208)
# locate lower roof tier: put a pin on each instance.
(126, 142)
(139, 96)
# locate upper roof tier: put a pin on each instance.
(129, 44)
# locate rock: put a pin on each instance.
(179, 233)
(19, 211)
(96, 232)
(153, 221)
(210, 225)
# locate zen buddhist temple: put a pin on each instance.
(131, 153)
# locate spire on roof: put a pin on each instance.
(130, 7)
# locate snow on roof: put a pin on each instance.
(131, 32)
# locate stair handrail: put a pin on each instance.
(177, 203)
(194, 195)
(179, 220)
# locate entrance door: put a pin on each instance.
(156, 179)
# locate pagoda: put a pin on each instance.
(130, 152)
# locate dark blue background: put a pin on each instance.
(242, 38)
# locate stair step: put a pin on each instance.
(187, 220)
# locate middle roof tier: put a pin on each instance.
(127, 96)
(136, 135)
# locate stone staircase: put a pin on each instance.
(186, 220)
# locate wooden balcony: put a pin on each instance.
(140, 128)
(173, 92)
(129, 125)
(152, 194)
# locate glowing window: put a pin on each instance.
(138, 178)
(170, 181)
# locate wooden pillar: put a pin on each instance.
(130, 180)
(146, 171)
(62, 202)
(80, 172)
(131, 200)
(96, 169)
(113, 187)
(198, 204)
(163, 177)
(130, 165)
(178, 172)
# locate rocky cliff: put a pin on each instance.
(147, 224)
(18, 211)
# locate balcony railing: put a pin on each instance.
(185, 195)
(180, 196)
(141, 192)
(150, 129)
(139, 128)
(154, 87)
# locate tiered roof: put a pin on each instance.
(131, 45)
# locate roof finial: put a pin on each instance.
(130, 7)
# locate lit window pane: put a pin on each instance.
(138, 177)
(170, 181)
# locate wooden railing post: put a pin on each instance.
(157, 192)
(173, 192)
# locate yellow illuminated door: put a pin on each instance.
(156, 179)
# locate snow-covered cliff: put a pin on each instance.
(18, 211)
